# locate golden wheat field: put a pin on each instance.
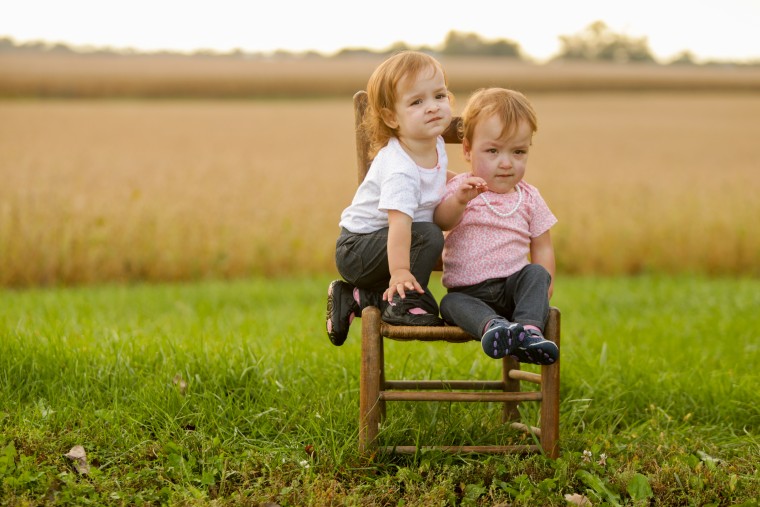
(72, 75)
(101, 190)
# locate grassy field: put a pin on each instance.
(229, 393)
(172, 190)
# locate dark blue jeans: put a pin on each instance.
(522, 297)
(362, 260)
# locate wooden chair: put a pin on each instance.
(376, 390)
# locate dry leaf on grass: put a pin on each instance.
(78, 459)
(578, 500)
(180, 383)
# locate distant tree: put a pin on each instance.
(598, 42)
(427, 49)
(313, 55)
(503, 47)
(683, 58)
(7, 44)
(396, 47)
(355, 52)
(32, 46)
(282, 54)
(205, 52)
(471, 44)
(60, 48)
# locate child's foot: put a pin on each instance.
(536, 349)
(341, 310)
(501, 338)
(408, 312)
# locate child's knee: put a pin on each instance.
(537, 272)
(429, 234)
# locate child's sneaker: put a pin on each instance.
(341, 310)
(410, 312)
(501, 338)
(536, 349)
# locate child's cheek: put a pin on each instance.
(481, 170)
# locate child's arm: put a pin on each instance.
(449, 212)
(542, 252)
(399, 244)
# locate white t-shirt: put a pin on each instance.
(484, 245)
(395, 182)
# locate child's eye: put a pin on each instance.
(441, 96)
(416, 102)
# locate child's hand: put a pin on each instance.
(401, 281)
(470, 188)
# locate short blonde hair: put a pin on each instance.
(509, 105)
(382, 91)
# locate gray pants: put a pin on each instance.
(362, 260)
(522, 297)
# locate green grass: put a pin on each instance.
(229, 393)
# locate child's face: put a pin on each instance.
(422, 110)
(499, 160)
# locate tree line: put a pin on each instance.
(595, 43)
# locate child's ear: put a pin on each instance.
(389, 118)
(466, 149)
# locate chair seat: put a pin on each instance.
(451, 334)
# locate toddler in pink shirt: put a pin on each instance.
(498, 258)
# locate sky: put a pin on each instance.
(709, 29)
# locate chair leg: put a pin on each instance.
(550, 392)
(381, 367)
(510, 412)
(371, 375)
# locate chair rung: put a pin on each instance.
(458, 396)
(491, 449)
(482, 385)
(525, 375)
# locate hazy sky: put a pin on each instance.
(710, 29)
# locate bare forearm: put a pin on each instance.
(448, 213)
(542, 253)
(399, 244)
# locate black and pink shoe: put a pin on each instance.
(504, 338)
(411, 311)
(341, 310)
(536, 349)
(501, 337)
